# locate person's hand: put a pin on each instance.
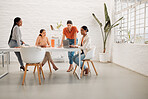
(48, 46)
(43, 46)
(73, 46)
(16, 47)
(60, 46)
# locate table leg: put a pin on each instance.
(4, 74)
(3, 59)
(8, 57)
(79, 69)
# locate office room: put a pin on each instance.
(74, 49)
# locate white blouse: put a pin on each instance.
(86, 44)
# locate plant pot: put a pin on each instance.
(103, 57)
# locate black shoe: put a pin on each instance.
(23, 68)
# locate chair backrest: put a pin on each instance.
(32, 54)
(90, 54)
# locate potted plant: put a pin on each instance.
(105, 32)
(59, 25)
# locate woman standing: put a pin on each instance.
(85, 46)
(43, 41)
(70, 32)
(15, 39)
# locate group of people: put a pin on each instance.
(69, 32)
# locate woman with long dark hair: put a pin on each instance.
(85, 46)
(15, 39)
(42, 41)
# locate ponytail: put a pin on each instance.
(41, 31)
(17, 19)
(85, 28)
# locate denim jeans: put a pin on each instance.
(71, 54)
(76, 60)
(12, 44)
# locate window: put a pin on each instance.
(134, 26)
(146, 23)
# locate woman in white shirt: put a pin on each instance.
(84, 46)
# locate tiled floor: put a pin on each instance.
(113, 82)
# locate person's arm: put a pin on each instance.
(85, 44)
(17, 36)
(75, 38)
(37, 41)
(22, 41)
(79, 44)
(48, 42)
(75, 35)
(63, 38)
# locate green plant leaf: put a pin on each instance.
(97, 19)
(129, 34)
(117, 21)
(100, 26)
(107, 21)
(107, 26)
(116, 25)
(106, 13)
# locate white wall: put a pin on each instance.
(37, 14)
(131, 56)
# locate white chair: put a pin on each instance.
(90, 55)
(32, 56)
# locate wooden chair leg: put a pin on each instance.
(49, 66)
(24, 74)
(88, 65)
(38, 74)
(34, 69)
(75, 69)
(94, 67)
(42, 71)
(82, 69)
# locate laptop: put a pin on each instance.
(66, 44)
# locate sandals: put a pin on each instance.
(69, 70)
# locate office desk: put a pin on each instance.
(78, 72)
